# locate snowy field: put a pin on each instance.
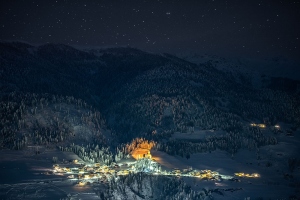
(25, 175)
(275, 181)
(271, 184)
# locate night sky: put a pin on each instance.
(236, 27)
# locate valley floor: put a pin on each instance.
(25, 175)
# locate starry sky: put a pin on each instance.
(237, 27)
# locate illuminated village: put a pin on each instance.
(86, 173)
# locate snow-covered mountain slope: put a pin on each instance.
(139, 92)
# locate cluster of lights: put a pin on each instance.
(258, 125)
(263, 125)
(87, 173)
(90, 173)
(241, 174)
(205, 174)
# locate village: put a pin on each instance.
(83, 173)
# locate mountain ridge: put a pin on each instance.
(134, 89)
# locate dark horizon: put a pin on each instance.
(272, 65)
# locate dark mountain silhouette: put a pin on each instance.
(139, 92)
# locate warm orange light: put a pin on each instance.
(81, 183)
(141, 153)
(140, 148)
(262, 126)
